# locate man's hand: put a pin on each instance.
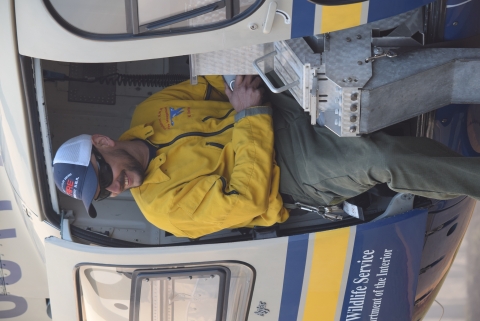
(246, 93)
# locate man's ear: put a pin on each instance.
(101, 141)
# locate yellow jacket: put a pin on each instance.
(214, 169)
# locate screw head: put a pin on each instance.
(354, 107)
(359, 36)
(378, 51)
(353, 118)
(348, 39)
(350, 79)
(455, 23)
(359, 62)
(354, 96)
(253, 26)
(353, 129)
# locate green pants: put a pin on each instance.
(320, 168)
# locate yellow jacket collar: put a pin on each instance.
(138, 132)
(154, 174)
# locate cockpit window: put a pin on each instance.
(103, 17)
(147, 17)
(210, 292)
(188, 294)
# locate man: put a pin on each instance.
(196, 166)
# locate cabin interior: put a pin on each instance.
(76, 107)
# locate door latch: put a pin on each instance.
(379, 53)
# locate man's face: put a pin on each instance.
(126, 171)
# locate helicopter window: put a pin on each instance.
(127, 18)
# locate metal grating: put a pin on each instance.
(91, 93)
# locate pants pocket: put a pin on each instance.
(337, 189)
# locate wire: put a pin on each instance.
(151, 80)
(148, 80)
(443, 310)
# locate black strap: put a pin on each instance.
(470, 42)
(288, 201)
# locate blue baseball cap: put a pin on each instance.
(73, 172)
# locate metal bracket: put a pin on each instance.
(193, 70)
(66, 219)
(263, 233)
(400, 203)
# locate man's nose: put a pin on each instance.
(114, 188)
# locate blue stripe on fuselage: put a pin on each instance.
(5, 206)
(303, 18)
(293, 277)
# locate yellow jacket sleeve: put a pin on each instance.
(208, 88)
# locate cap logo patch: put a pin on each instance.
(69, 187)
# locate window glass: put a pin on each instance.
(193, 293)
(127, 17)
(184, 298)
(244, 4)
(103, 17)
(153, 10)
(217, 15)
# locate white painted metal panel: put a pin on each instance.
(40, 36)
(266, 256)
(23, 274)
(14, 137)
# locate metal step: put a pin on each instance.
(366, 78)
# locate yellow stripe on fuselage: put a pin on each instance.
(340, 17)
(326, 273)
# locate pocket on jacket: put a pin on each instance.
(193, 193)
(214, 145)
